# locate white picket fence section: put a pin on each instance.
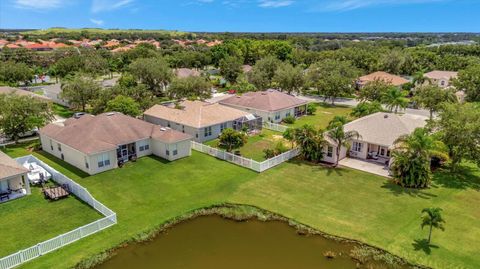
(50, 245)
(245, 162)
(274, 126)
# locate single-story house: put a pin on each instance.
(378, 133)
(99, 143)
(441, 78)
(271, 105)
(394, 80)
(186, 72)
(204, 121)
(21, 92)
(13, 179)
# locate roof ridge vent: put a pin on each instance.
(163, 129)
(110, 113)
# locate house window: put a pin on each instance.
(277, 115)
(287, 114)
(357, 146)
(183, 128)
(143, 145)
(174, 149)
(63, 157)
(51, 144)
(86, 162)
(103, 160)
(329, 151)
(168, 124)
(223, 126)
(208, 131)
(59, 146)
(442, 82)
(382, 151)
(196, 135)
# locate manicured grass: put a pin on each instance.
(323, 115)
(255, 145)
(32, 219)
(62, 111)
(342, 202)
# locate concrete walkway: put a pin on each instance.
(362, 165)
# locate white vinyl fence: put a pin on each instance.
(274, 126)
(45, 247)
(245, 162)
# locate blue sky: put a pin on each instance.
(247, 15)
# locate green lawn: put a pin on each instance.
(62, 111)
(323, 115)
(343, 202)
(255, 145)
(31, 219)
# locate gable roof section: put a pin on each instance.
(196, 114)
(92, 134)
(436, 74)
(383, 128)
(269, 100)
(380, 75)
(9, 167)
(20, 92)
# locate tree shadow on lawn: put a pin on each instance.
(423, 245)
(398, 190)
(465, 178)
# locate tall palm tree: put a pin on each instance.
(420, 142)
(310, 141)
(432, 217)
(341, 138)
(394, 99)
(419, 78)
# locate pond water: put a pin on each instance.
(214, 242)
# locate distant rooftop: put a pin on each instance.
(269, 100)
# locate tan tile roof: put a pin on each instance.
(383, 128)
(269, 100)
(186, 72)
(436, 74)
(196, 114)
(380, 75)
(168, 135)
(91, 134)
(9, 167)
(8, 90)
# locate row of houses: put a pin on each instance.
(442, 79)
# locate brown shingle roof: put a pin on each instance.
(186, 72)
(196, 114)
(269, 100)
(386, 77)
(168, 135)
(8, 90)
(9, 167)
(436, 74)
(92, 134)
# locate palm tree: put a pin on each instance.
(412, 158)
(394, 99)
(310, 141)
(289, 135)
(419, 78)
(341, 138)
(432, 217)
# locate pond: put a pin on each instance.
(214, 242)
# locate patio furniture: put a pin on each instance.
(37, 174)
(5, 195)
(373, 155)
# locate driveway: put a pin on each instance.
(362, 165)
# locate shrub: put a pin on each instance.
(311, 109)
(289, 119)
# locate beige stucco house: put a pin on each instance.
(393, 80)
(13, 179)
(271, 105)
(99, 143)
(204, 121)
(442, 79)
(378, 133)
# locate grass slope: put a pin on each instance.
(342, 202)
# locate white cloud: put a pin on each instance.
(108, 5)
(39, 4)
(97, 22)
(275, 3)
(345, 5)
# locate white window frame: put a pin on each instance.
(329, 151)
(103, 160)
(207, 131)
(143, 145)
(277, 115)
(357, 146)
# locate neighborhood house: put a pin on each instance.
(204, 121)
(394, 80)
(378, 133)
(441, 78)
(99, 143)
(271, 105)
(13, 179)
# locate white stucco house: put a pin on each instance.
(13, 179)
(203, 121)
(271, 105)
(378, 133)
(99, 143)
